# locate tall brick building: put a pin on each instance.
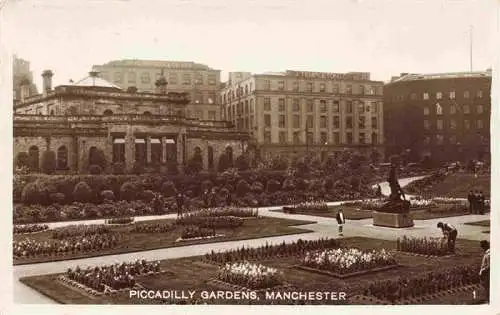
(443, 117)
(129, 127)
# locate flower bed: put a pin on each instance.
(250, 276)
(30, 228)
(423, 246)
(298, 248)
(226, 212)
(225, 222)
(307, 206)
(423, 284)
(79, 230)
(153, 228)
(415, 204)
(116, 277)
(344, 261)
(30, 248)
(197, 232)
(449, 201)
(120, 221)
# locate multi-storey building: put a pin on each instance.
(444, 117)
(74, 121)
(22, 76)
(294, 111)
(201, 82)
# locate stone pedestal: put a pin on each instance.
(394, 220)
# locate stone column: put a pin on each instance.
(148, 149)
(129, 151)
(180, 146)
(163, 149)
(204, 153)
(73, 155)
(108, 152)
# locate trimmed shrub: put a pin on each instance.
(107, 195)
(148, 195)
(97, 157)
(138, 168)
(82, 192)
(273, 186)
(36, 192)
(206, 185)
(130, 191)
(257, 187)
(242, 163)
(289, 184)
(48, 162)
(119, 168)
(58, 198)
(242, 188)
(95, 169)
(168, 189)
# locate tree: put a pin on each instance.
(22, 159)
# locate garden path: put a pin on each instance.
(324, 227)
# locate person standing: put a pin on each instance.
(213, 198)
(470, 200)
(340, 221)
(450, 233)
(484, 273)
(481, 200)
(229, 199)
(180, 203)
(206, 200)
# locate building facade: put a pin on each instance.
(200, 81)
(442, 117)
(75, 121)
(22, 76)
(295, 112)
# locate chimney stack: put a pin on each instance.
(25, 85)
(47, 80)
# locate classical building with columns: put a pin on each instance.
(75, 121)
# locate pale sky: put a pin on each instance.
(379, 36)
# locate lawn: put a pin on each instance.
(458, 185)
(192, 274)
(133, 242)
(480, 223)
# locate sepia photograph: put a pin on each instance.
(285, 152)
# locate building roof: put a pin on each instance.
(449, 75)
(173, 64)
(93, 80)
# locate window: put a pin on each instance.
(186, 79)
(62, 158)
(309, 86)
(336, 107)
(145, 79)
(267, 120)
(118, 77)
(211, 115)
(267, 84)
(348, 89)
(267, 137)
(466, 124)
(323, 138)
(427, 124)
(439, 124)
(349, 137)
(309, 122)
(118, 150)
(322, 87)
(427, 139)
(336, 88)
(309, 105)
(466, 109)
(281, 104)
(439, 95)
(362, 89)
(375, 106)
(212, 79)
(310, 138)
(282, 121)
(336, 138)
(413, 96)
(453, 109)
(362, 138)
(348, 122)
(295, 86)
(336, 122)
(156, 150)
(322, 106)
(439, 109)
(267, 103)
(361, 107)
(362, 122)
(479, 124)
(466, 94)
(198, 79)
(480, 109)
(426, 96)
(296, 105)
(439, 139)
(453, 124)
(479, 94)
(282, 137)
(131, 77)
(251, 106)
(281, 85)
(453, 139)
(197, 98)
(452, 95)
(140, 150)
(348, 105)
(246, 107)
(374, 123)
(173, 78)
(374, 138)
(296, 121)
(322, 121)
(296, 137)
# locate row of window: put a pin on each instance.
(478, 124)
(172, 78)
(323, 138)
(362, 107)
(438, 95)
(323, 122)
(237, 92)
(439, 139)
(321, 87)
(454, 109)
(141, 150)
(34, 158)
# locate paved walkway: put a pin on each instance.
(324, 227)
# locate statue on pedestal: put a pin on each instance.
(397, 200)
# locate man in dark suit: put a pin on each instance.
(481, 200)
(180, 203)
(340, 221)
(470, 199)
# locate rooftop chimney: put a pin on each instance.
(25, 85)
(47, 80)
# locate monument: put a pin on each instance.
(396, 211)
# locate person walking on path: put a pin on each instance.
(340, 221)
(484, 273)
(180, 203)
(450, 233)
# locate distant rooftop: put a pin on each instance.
(156, 64)
(434, 76)
(94, 80)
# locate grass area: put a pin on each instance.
(353, 213)
(191, 274)
(458, 185)
(133, 242)
(480, 223)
